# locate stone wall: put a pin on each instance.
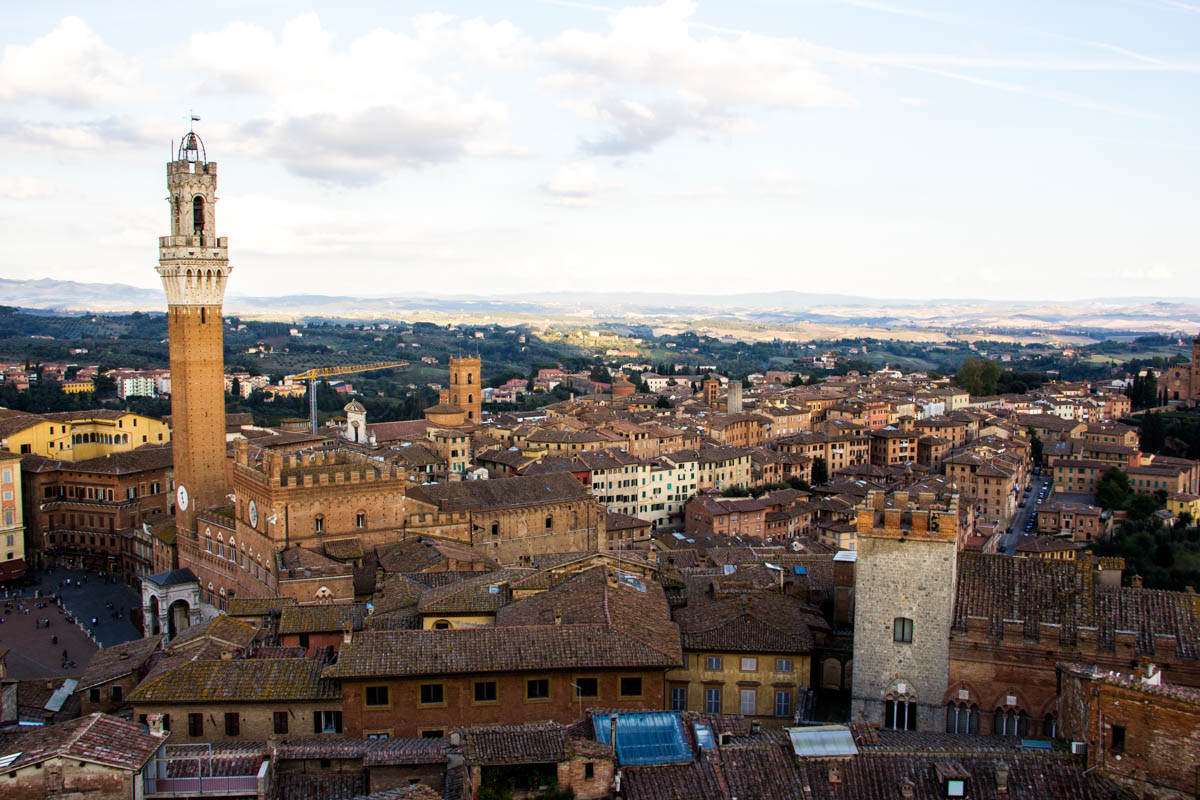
(907, 566)
(63, 778)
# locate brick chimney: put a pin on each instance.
(155, 723)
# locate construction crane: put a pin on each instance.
(321, 373)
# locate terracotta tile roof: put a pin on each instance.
(752, 622)
(472, 595)
(616, 521)
(1031, 776)
(1066, 593)
(330, 618)
(1045, 544)
(279, 651)
(373, 752)
(146, 457)
(222, 629)
(422, 553)
(344, 549)
(256, 606)
(414, 791)
(399, 431)
(443, 652)
(539, 743)
(502, 492)
(96, 738)
(18, 422)
(111, 663)
(250, 681)
(596, 597)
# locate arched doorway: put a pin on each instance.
(177, 617)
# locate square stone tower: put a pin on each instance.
(904, 597)
(193, 263)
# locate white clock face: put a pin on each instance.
(181, 497)
(253, 514)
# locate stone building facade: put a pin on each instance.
(90, 513)
(904, 582)
(512, 520)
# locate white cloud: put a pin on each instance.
(1156, 272)
(650, 77)
(576, 184)
(71, 65)
(82, 135)
(24, 187)
(350, 114)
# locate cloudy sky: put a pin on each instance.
(1030, 148)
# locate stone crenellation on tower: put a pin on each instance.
(465, 389)
(904, 595)
(194, 267)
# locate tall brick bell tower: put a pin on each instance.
(465, 391)
(194, 265)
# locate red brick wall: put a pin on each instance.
(405, 717)
(1162, 735)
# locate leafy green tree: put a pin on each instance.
(1163, 555)
(1143, 506)
(799, 483)
(1153, 434)
(662, 402)
(1113, 489)
(978, 376)
(600, 374)
(1143, 391)
(820, 471)
(106, 386)
(1036, 447)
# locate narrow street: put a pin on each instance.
(1009, 541)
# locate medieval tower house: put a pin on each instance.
(904, 596)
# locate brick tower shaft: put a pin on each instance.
(194, 266)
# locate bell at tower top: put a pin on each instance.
(191, 148)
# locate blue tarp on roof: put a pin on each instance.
(652, 737)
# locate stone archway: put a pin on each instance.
(178, 617)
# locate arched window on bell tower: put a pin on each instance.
(198, 215)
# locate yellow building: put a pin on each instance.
(746, 654)
(79, 435)
(77, 387)
(12, 524)
(1181, 502)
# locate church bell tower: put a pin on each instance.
(193, 263)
